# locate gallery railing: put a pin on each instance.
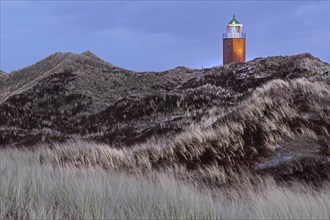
(233, 35)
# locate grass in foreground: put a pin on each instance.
(32, 190)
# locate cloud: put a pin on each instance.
(159, 50)
(121, 34)
(312, 8)
(158, 35)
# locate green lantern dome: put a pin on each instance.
(233, 20)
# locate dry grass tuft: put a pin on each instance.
(29, 190)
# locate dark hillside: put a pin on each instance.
(266, 113)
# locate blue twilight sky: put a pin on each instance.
(159, 35)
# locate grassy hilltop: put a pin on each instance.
(81, 138)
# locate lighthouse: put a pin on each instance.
(233, 43)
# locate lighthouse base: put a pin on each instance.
(233, 50)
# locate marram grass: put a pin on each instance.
(30, 190)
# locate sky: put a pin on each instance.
(159, 35)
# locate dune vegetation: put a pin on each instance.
(211, 171)
(29, 190)
(83, 139)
